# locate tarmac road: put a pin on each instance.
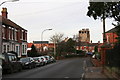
(67, 68)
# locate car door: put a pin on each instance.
(15, 65)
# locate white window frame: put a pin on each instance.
(3, 32)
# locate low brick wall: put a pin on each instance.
(96, 63)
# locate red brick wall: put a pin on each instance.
(111, 37)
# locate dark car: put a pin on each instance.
(10, 63)
(28, 62)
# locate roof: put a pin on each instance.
(8, 22)
(29, 45)
(87, 44)
(112, 30)
(39, 42)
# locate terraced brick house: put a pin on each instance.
(14, 37)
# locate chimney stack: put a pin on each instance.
(4, 12)
(98, 42)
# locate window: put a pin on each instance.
(9, 31)
(3, 32)
(17, 50)
(23, 49)
(15, 35)
(13, 47)
(4, 48)
(12, 57)
(12, 35)
(8, 48)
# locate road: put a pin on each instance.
(67, 68)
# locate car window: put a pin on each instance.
(24, 59)
(12, 58)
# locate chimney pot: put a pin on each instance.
(4, 12)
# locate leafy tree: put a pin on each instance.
(33, 52)
(96, 49)
(70, 46)
(104, 10)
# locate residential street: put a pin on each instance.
(68, 68)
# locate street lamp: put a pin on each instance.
(8, 1)
(42, 36)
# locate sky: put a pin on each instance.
(62, 16)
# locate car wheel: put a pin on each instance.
(20, 69)
(30, 67)
(10, 70)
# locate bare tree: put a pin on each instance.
(76, 37)
(58, 37)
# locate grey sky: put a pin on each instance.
(63, 16)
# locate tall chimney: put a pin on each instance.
(4, 12)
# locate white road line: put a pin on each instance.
(66, 77)
(83, 74)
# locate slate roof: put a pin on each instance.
(86, 44)
(39, 42)
(112, 30)
(8, 22)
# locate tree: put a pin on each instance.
(70, 46)
(33, 52)
(104, 10)
(58, 37)
(96, 49)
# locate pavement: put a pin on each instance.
(97, 72)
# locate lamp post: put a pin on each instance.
(8, 1)
(42, 37)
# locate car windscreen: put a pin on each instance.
(36, 59)
(25, 59)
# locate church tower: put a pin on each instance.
(84, 35)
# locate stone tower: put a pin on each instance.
(84, 35)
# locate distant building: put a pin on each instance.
(42, 46)
(14, 37)
(84, 43)
(84, 35)
(87, 47)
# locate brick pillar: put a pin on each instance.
(103, 55)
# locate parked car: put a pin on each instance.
(10, 63)
(44, 60)
(47, 59)
(28, 62)
(0, 72)
(38, 61)
(52, 59)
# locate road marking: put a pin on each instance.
(66, 77)
(91, 71)
(83, 74)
